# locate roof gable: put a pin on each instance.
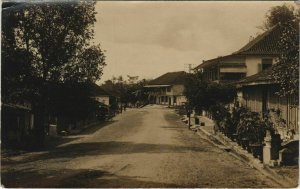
(170, 78)
(265, 43)
(215, 61)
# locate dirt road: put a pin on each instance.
(146, 147)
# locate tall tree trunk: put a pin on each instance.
(40, 122)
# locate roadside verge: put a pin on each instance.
(221, 141)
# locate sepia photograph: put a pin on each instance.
(149, 94)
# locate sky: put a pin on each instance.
(148, 39)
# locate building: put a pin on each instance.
(257, 55)
(258, 94)
(100, 95)
(167, 89)
(17, 122)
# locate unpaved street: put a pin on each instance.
(147, 147)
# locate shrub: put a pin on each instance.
(252, 127)
(220, 115)
(235, 118)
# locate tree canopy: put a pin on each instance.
(286, 71)
(50, 41)
(129, 91)
(204, 95)
(280, 15)
(48, 58)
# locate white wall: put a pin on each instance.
(103, 99)
(253, 63)
(176, 90)
(180, 99)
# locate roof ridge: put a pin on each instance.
(256, 40)
(204, 62)
(169, 78)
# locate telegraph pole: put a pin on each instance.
(189, 67)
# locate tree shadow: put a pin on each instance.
(110, 148)
(53, 142)
(94, 128)
(76, 178)
(173, 118)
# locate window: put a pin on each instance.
(232, 76)
(266, 63)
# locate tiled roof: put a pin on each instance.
(266, 43)
(213, 61)
(263, 77)
(98, 91)
(170, 78)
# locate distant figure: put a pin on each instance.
(121, 108)
(125, 107)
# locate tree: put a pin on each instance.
(15, 62)
(195, 91)
(279, 15)
(71, 101)
(127, 90)
(286, 71)
(132, 79)
(209, 96)
(48, 43)
(58, 35)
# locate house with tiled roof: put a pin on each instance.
(17, 121)
(258, 94)
(250, 68)
(257, 55)
(100, 95)
(167, 89)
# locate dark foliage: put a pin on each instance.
(203, 95)
(286, 71)
(47, 58)
(127, 91)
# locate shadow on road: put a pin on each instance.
(95, 128)
(51, 143)
(110, 148)
(77, 178)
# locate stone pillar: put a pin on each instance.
(267, 150)
(271, 148)
(52, 130)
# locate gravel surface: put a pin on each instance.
(147, 147)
